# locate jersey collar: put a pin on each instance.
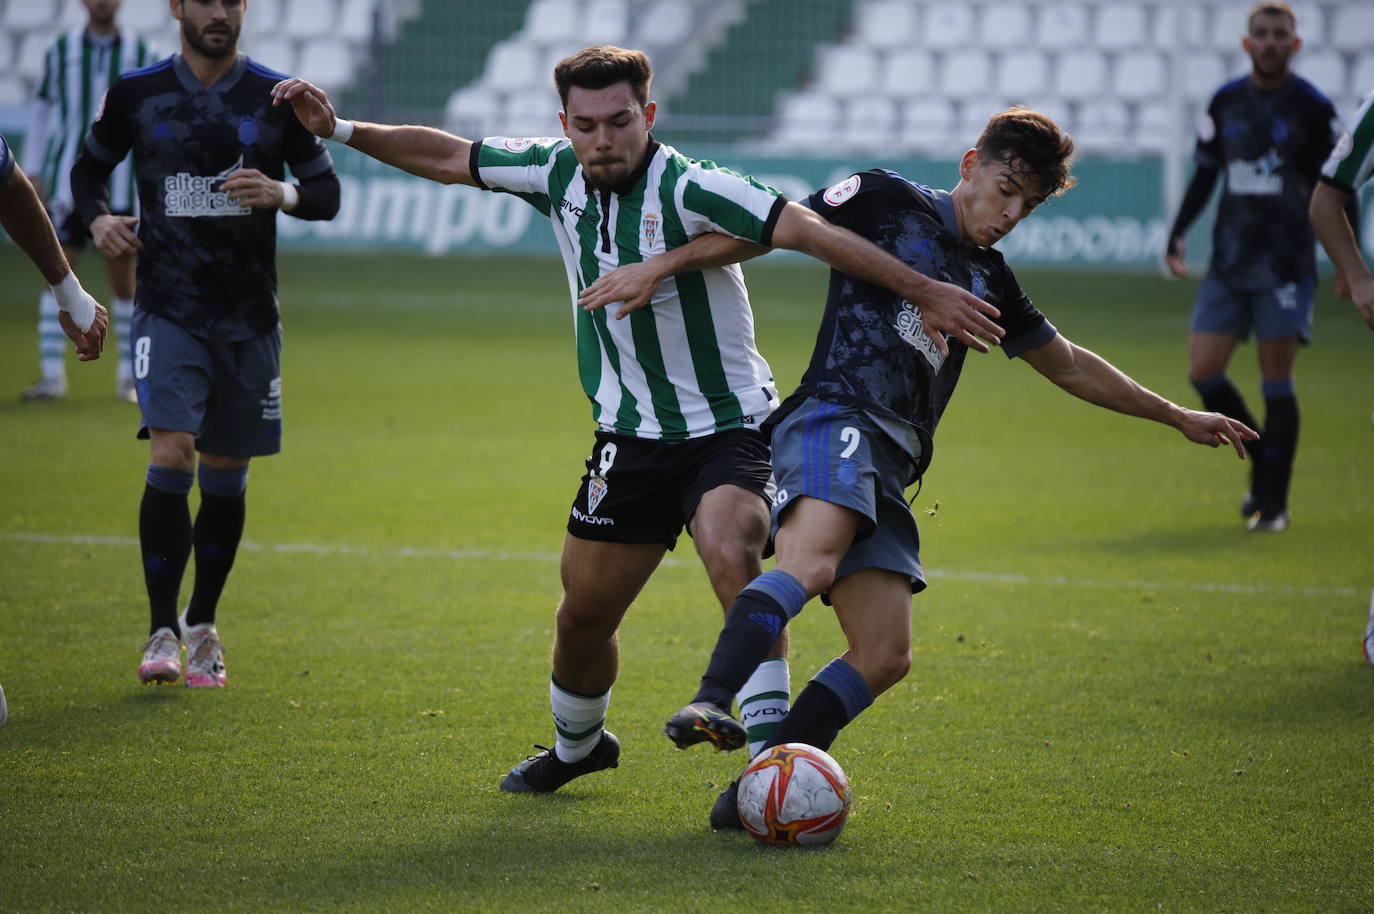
(223, 84)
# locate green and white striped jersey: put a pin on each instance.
(77, 69)
(1352, 161)
(685, 365)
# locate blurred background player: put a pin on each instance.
(1351, 164)
(77, 69)
(860, 427)
(1269, 132)
(678, 390)
(209, 153)
(81, 317)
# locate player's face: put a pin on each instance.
(211, 27)
(1271, 44)
(992, 198)
(609, 131)
(101, 12)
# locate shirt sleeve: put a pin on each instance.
(860, 201)
(1209, 152)
(713, 199)
(111, 137)
(1351, 162)
(1026, 327)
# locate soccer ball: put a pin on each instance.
(793, 794)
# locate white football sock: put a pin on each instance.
(578, 720)
(763, 701)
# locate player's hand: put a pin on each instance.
(949, 309)
(1361, 294)
(89, 344)
(311, 104)
(250, 187)
(632, 285)
(1214, 430)
(1175, 259)
(115, 236)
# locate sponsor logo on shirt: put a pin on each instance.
(519, 145)
(841, 192)
(911, 328)
(1255, 177)
(188, 196)
(575, 210)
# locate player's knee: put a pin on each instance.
(579, 623)
(889, 667)
(816, 574)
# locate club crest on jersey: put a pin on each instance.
(650, 227)
(190, 196)
(841, 192)
(596, 490)
(519, 144)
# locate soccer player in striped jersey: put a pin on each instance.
(77, 69)
(860, 428)
(678, 390)
(1268, 133)
(1351, 165)
(210, 156)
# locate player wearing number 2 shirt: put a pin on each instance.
(860, 428)
(210, 153)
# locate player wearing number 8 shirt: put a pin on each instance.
(860, 427)
(678, 390)
(210, 153)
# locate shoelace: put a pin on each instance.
(159, 642)
(546, 753)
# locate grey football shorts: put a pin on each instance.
(839, 455)
(1271, 313)
(226, 394)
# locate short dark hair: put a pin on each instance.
(1272, 8)
(1033, 144)
(604, 65)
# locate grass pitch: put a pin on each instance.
(1121, 701)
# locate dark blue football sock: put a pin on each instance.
(164, 535)
(754, 621)
(1279, 444)
(832, 699)
(218, 529)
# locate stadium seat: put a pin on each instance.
(1229, 24)
(549, 57)
(1062, 26)
(263, 15)
(808, 119)
(309, 18)
(886, 24)
(28, 61)
(1057, 109)
(512, 65)
(666, 24)
(1324, 69)
(327, 62)
(474, 111)
(1081, 74)
(948, 25)
(1193, 30)
(1140, 75)
(607, 22)
(973, 117)
(1119, 26)
(869, 123)
(355, 20)
(1023, 73)
(907, 72)
(14, 92)
(1311, 23)
(1150, 131)
(71, 13)
(7, 50)
(1101, 125)
(965, 73)
(1005, 25)
(1361, 77)
(277, 52)
(1203, 74)
(23, 15)
(1352, 27)
(926, 124)
(551, 20)
(847, 70)
(532, 112)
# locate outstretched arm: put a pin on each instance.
(634, 284)
(422, 151)
(945, 307)
(1090, 377)
(1328, 212)
(83, 319)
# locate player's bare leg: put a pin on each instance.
(600, 581)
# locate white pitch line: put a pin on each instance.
(484, 555)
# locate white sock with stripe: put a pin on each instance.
(578, 720)
(763, 701)
(52, 342)
(123, 313)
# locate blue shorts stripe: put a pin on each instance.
(817, 439)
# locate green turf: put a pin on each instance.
(1120, 700)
